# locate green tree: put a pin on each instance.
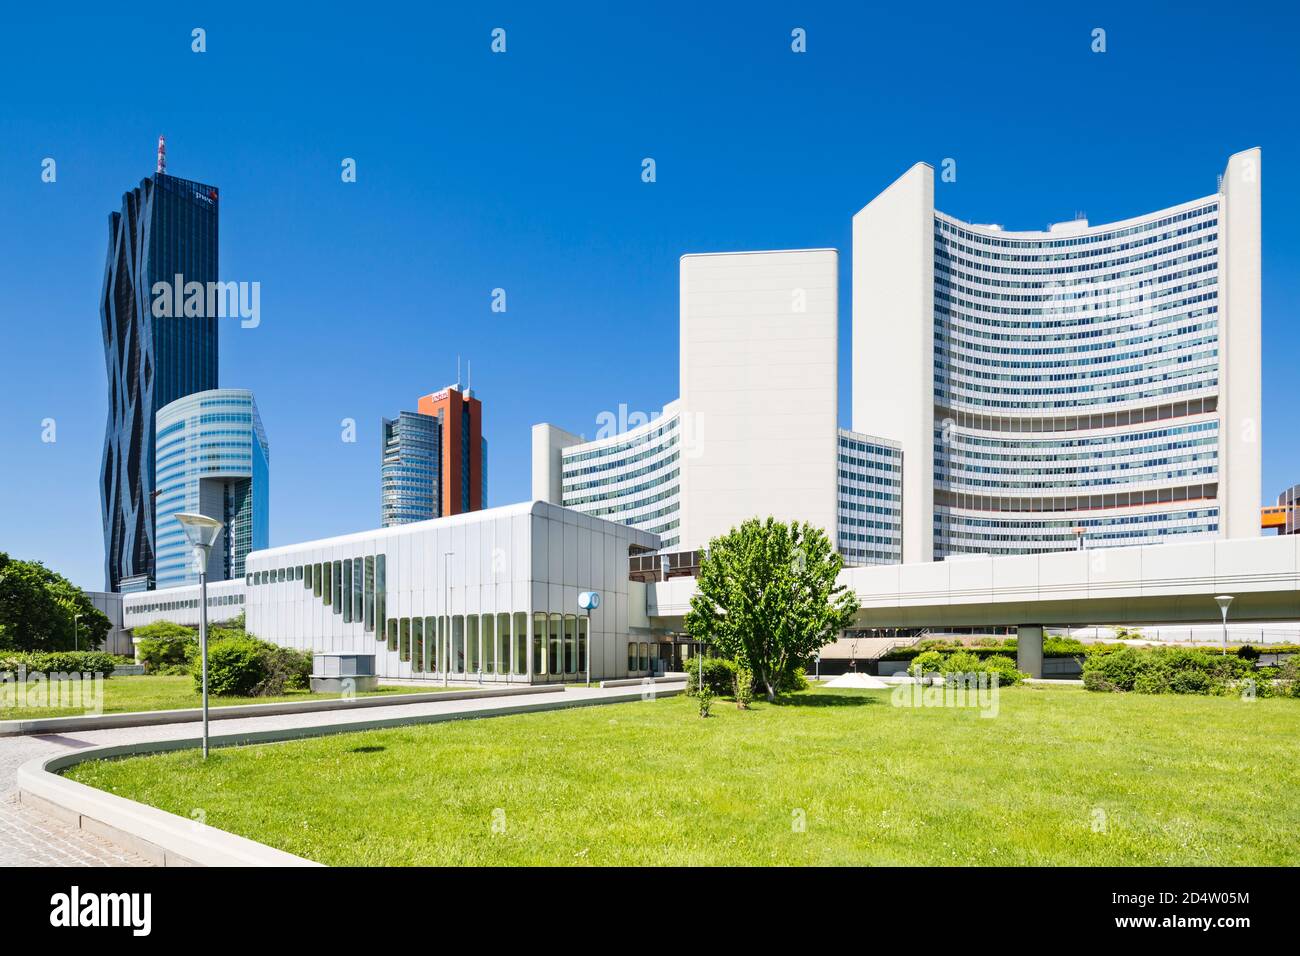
(38, 610)
(768, 597)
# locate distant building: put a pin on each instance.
(212, 458)
(167, 228)
(1282, 516)
(433, 461)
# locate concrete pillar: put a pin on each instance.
(1029, 649)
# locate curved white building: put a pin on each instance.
(1095, 380)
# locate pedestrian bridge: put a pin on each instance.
(1151, 584)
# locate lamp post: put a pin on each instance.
(589, 601)
(76, 632)
(446, 637)
(201, 532)
(1223, 600)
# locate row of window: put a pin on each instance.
(214, 600)
(355, 588)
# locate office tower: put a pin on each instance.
(410, 469)
(1087, 384)
(211, 458)
(433, 462)
(167, 228)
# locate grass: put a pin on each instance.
(1060, 777)
(149, 692)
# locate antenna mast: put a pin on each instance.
(162, 154)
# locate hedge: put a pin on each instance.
(1180, 670)
(58, 662)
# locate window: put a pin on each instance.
(458, 643)
(472, 642)
(370, 592)
(431, 643)
(358, 573)
(404, 648)
(489, 631)
(392, 633)
(539, 643)
(327, 588)
(316, 580)
(381, 593)
(554, 658)
(631, 658)
(338, 587)
(417, 644)
(503, 643)
(307, 579)
(645, 656)
(297, 572)
(521, 642)
(570, 644)
(347, 592)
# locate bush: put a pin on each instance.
(1005, 669)
(58, 662)
(235, 668)
(706, 701)
(248, 667)
(1172, 670)
(168, 653)
(286, 669)
(719, 676)
(796, 679)
(927, 662)
(744, 686)
(1248, 653)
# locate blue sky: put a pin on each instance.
(522, 171)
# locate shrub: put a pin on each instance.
(744, 686)
(1172, 670)
(706, 701)
(235, 668)
(1005, 669)
(58, 662)
(286, 669)
(927, 662)
(962, 662)
(1248, 653)
(168, 653)
(796, 679)
(719, 676)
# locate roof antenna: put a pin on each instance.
(469, 379)
(458, 373)
(162, 154)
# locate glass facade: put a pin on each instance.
(870, 505)
(167, 227)
(1076, 378)
(410, 469)
(211, 457)
(633, 478)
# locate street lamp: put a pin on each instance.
(1223, 600)
(589, 601)
(201, 532)
(76, 632)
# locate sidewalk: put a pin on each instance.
(30, 839)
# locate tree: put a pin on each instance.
(38, 610)
(768, 597)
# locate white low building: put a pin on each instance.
(493, 594)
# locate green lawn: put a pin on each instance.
(1061, 776)
(148, 692)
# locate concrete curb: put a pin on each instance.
(640, 681)
(150, 718)
(170, 840)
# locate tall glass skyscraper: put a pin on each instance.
(212, 458)
(167, 228)
(410, 469)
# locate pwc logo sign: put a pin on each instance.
(94, 910)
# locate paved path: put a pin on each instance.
(28, 838)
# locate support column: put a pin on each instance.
(1029, 649)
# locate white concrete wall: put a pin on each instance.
(548, 442)
(1241, 432)
(759, 388)
(893, 339)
